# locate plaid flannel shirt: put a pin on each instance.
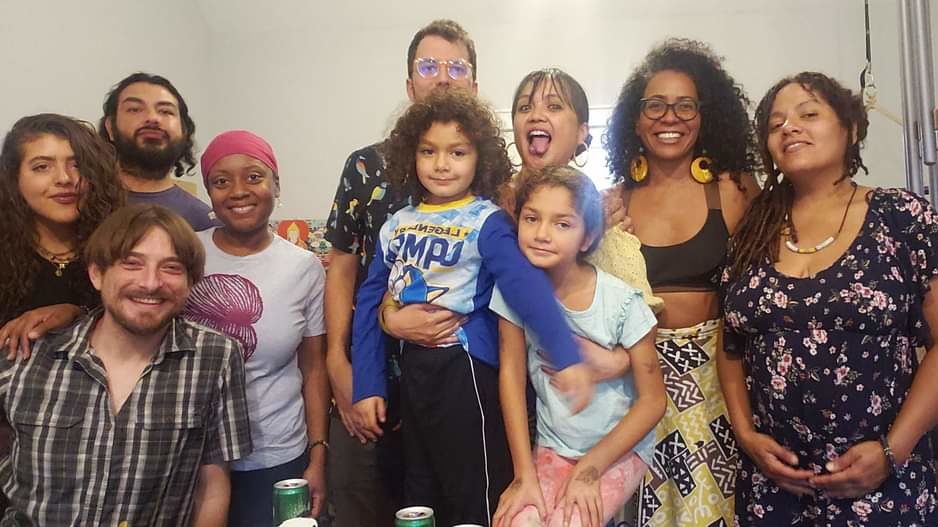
(76, 463)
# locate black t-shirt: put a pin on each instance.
(73, 287)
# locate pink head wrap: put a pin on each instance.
(237, 142)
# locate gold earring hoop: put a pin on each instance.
(700, 170)
(639, 169)
(585, 161)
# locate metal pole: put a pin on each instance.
(913, 167)
(926, 92)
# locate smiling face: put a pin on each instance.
(243, 191)
(551, 233)
(669, 138)
(143, 291)
(49, 179)
(446, 163)
(546, 126)
(804, 133)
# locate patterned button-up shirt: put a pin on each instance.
(76, 463)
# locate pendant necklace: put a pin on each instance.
(59, 260)
(790, 245)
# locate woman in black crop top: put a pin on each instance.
(57, 183)
(681, 146)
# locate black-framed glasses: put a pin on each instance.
(429, 68)
(655, 108)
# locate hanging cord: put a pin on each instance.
(867, 80)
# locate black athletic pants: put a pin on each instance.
(456, 455)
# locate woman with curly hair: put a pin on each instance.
(827, 297)
(57, 183)
(680, 144)
(449, 249)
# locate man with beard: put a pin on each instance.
(364, 466)
(131, 415)
(148, 122)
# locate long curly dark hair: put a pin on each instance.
(101, 189)
(476, 121)
(725, 131)
(186, 162)
(758, 234)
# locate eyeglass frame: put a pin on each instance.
(669, 107)
(469, 68)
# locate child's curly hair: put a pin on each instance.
(476, 121)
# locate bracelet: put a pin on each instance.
(897, 469)
(389, 303)
(318, 442)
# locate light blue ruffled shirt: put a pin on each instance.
(617, 315)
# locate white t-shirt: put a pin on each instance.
(267, 301)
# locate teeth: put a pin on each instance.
(146, 299)
(241, 210)
(538, 133)
(669, 135)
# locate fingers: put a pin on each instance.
(798, 489)
(369, 419)
(381, 410)
(776, 469)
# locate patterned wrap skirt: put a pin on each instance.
(692, 480)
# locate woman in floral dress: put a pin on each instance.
(827, 298)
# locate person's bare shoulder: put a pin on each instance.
(735, 197)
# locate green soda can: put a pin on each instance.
(414, 517)
(291, 500)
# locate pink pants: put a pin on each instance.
(616, 485)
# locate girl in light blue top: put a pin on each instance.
(586, 465)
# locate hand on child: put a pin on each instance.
(614, 209)
(604, 363)
(424, 324)
(581, 492)
(576, 384)
(371, 412)
(520, 493)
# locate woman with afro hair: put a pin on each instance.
(681, 148)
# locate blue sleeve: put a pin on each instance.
(526, 289)
(368, 360)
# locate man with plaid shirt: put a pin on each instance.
(130, 415)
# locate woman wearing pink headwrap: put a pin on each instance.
(267, 293)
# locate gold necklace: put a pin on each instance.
(59, 260)
(826, 242)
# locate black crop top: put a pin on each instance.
(693, 265)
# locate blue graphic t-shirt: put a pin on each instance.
(451, 256)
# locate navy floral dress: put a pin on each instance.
(829, 361)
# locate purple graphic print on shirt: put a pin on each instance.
(229, 303)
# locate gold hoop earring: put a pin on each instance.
(585, 161)
(700, 170)
(639, 169)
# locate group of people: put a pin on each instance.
(506, 345)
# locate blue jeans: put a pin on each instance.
(252, 492)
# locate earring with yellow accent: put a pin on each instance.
(639, 169)
(700, 170)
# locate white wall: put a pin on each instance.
(319, 79)
(64, 56)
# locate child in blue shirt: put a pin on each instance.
(449, 250)
(585, 465)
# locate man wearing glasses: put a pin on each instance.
(364, 469)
